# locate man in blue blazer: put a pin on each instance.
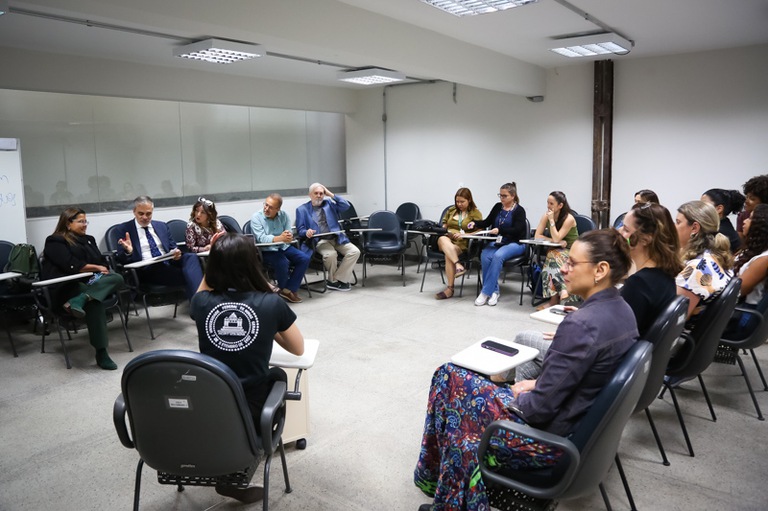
(146, 238)
(321, 215)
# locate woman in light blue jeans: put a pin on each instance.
(507, 219)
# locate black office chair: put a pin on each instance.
(728, 350)
(230, 224)
(16, 298)
(190, 421)
(699, 348)
(588, 452)
(584, 223)
(149, 294)
(408, 213)
(388, 243)
(178, 230)
(348, 220)
(662, 334)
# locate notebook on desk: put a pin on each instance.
(493, 356)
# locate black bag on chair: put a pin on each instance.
(428, 226)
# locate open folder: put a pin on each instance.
(493, 356)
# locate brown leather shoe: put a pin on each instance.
(290, 296)
(245, 495)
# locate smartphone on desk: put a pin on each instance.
(500, 348)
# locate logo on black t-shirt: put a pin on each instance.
(232, 326)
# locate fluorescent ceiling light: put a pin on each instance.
(593, 45)
(370, 76)
(3, 7)
(474, 7)
(219, 51)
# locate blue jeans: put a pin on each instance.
(281, 260)
(492, 259)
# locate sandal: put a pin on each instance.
(443, 296)
(460, 272)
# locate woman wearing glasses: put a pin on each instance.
(655, 251)
(507, 218)
(557, 225)
(203, 224)
(587, 348)
(68, 251)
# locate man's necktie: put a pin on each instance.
(153, 249)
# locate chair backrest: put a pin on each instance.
(708, 330)
(391, 234)
(598, 434)
(662, 334)
(619, 220)
(247, 228)
(755, 332)
(111, 236)
(230, 224)
(584, 223)
(408, 212)
(5, 252)
(178, 230)
(348, 218)
(188, 414)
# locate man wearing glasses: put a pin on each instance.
(272, 227)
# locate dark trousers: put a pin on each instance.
(95, 312)
(185, 272)
(281, 262)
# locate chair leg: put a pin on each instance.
(288, 488)
(123, 322)
(706, 396)
(605, 498)
(137, 487)
(624, 481)
(402, 267)
(665, 461)
(749, 387)
(149, 323)
(267, 464)
(680, 418)
(759, 370)
(10, 339)
(424, 275)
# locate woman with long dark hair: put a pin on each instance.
(726, 202)
(557, 225)
(237, 318)
(68, 251)
(588, 346)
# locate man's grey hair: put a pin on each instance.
(277, 197)
(143, 199)
(314, 185)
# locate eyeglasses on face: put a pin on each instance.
(503, 195)
(83, 222)
(570, 263)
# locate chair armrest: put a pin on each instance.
(149, 262)
(271, 421)
(59, 280)
(118, 417)
(571, 457)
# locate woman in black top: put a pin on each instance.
(69, 250)
(507, 218)
(726, 202)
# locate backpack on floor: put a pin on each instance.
(534, 279)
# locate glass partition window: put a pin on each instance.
(101, 152)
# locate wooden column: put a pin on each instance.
(602, 147)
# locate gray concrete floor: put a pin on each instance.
(368, 391)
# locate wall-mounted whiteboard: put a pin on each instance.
(13, 218)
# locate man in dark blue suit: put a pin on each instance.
(146, 238)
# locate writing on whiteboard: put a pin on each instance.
(6, 198)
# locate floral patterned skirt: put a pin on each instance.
(551, 277)
(461, 404)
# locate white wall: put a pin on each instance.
(683, 124)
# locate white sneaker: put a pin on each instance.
(494, 299)
(481, 300)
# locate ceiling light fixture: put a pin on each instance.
(593, 45)
(475, 7)
(219, 51)
(370, 76)
(3, 7)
